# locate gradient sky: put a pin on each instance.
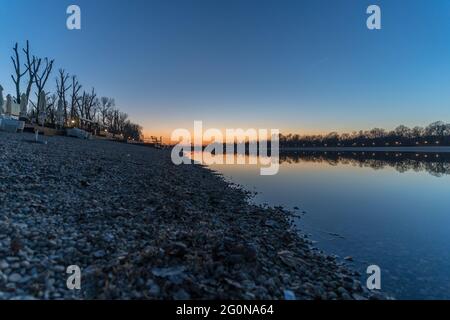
(301, 66)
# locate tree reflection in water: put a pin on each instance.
(436, 164)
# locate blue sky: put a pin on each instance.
(301, 66)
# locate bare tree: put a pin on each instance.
(75, 98)
(51, 107)
(40, 79)
(122, 119)
(86, 109)
(106, 104)
(19, 74)
(62, 88)
(30, 67)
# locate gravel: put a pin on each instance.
(140, 227)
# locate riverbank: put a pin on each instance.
(140, 227)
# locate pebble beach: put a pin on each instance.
(140, 227)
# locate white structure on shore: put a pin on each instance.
(8, 113)
(8, 105)
(60, 114)
(23, 105)
(2, 101)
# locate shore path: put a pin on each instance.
(140, 227)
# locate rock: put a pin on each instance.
(346, 296)
(4, 265)
(168, 272)
(331, 295)
(60, 269)
(342, 291)
(349, 258)
(358, 297)
(289, 295)
(99, 253)
(271, 223)
(85, 183)
(153, 288)
(233, 283)
(247, 251)
(290, 260)
(15, 277)
(177, 249)
(181, 295)
(23, 298)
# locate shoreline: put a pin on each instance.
(140, 227)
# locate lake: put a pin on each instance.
(390, 209)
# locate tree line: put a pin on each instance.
(436, 134)
(80, 108)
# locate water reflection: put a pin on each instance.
(388, 208)
(436, 164)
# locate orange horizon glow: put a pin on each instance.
(166, 133)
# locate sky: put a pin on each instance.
(299, 66)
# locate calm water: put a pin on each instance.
(392, 210)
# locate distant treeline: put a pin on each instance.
(436, 134)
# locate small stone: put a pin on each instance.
(85, 183)
(289, 295)
(271, 223)
(153, 288)
(346, 296)
(15, 277)
(349, 258)
(332, 295)
(358, 297)
(4, 265)
(177, 249)
(341, 291)
(168, 272)
(181, 295)
(60, 269)
(99, 253)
